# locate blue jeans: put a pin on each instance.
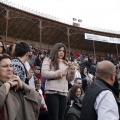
(56, 105)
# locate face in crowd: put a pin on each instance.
(61, 53)
(6, 68)
(37, 71)
(78, 82)
(1, 47)
(78, 92)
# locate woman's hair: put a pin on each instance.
(39, 54)
(11, 50)
(54, 54)
(74, 90)
(4, 48)
(4, 56)
(82, 69)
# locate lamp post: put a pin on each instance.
(94, 52)
(117, 51)
(7, 19)
(76, 22)
(68, 34)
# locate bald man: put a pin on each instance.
(100, 102)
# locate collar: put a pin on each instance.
(108, 85)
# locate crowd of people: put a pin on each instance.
(49, 85)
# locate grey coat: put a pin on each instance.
(27, 99)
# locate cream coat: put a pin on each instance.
(54, 79)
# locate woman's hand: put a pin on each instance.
(30, 74)
(64, 72)
(15, 82)
(12, 83)
(71, 65)
(19, 82)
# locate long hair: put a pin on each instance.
(82, 69)
(74, 90)
(54, 55)
(11, 50)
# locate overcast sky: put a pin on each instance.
(103, 14)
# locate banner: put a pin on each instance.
(102, 38)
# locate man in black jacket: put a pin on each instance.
(100, 102)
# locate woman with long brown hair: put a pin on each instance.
(57, 72)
